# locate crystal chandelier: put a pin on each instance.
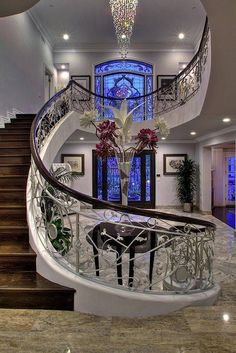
(123, 13)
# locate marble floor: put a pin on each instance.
(225, 214)
(192, 330)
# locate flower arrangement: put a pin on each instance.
(115, 138)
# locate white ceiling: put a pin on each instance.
(89, 23)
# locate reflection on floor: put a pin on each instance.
(225, 214)
(195, 330)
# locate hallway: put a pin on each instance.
(225, 214)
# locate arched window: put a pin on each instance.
(125, 79)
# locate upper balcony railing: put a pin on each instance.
(121, 246)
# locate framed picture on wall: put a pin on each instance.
(171, 163)
(163, 81)
(85, 82)
(76, 162)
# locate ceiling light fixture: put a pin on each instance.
(193, 133)
(81, 138)
(163, 138)
(181, 35)
(63, 67)
(66, 36)
(226, 317)
(123, 13)
(226, 120)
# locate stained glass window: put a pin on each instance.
(125, 79)
(148, 177)
(140, 185)
(113, 180)
(231, 178)
(99, 179)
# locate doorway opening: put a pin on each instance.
(141, 192)
(48, 84)
(223, 183)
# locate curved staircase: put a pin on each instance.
(20, 285)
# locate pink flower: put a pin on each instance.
(104, 149)
(107, 130)
(147, 138)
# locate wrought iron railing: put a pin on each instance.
(75, 97)
(122, 246)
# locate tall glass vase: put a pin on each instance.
(124, 161)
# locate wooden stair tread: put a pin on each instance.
(30, 282)
(12, 206)
(15, 165)
(14, 227)
(10, 247)
(14, 176)
(20, 285)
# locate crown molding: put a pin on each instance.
(44, 33)
(216, 133)
(110, 50)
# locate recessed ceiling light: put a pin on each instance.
(163, 138)
(63, 67)
(81, 138)
(66, 36)
(193, 133)
(226, 317)
(226, 120)
(181, 35)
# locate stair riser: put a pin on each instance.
(47, 300)
(14, 159)
(15, 143)
(14, 196)
(18, 137)
(17, 263)
(13, 220)
(14, 170)
(13, 213)
(4, 151)
(17, 127)
(21, 237)
(13, 182)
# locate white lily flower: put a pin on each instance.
(88, 118)
(124, 120)
(162, 127)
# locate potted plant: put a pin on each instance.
(186, 183)
(59, 235)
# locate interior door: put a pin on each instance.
(141, 191)
(230, 179)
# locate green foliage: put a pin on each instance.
(51, 212)
(186, 180)
(63, 239)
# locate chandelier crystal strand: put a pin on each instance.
(123, 13)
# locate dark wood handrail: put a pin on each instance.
(91, 200)
(176, 78)
(99, 203)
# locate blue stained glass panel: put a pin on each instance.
(124, 86)
(148, 177)
(113, 180)
(123, 65)
(98, 101)
(99, 178)
(122, 79)
(231, 178)
(149, 107)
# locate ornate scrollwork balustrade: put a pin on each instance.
(122, 246)
(125, 247)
